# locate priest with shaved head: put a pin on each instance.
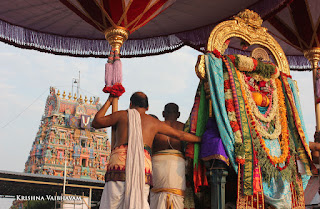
(129, 171)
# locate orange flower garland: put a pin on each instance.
(284, 138)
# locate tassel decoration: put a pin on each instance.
(117, 69)
(113, 75)
(109, 73)
(117, 88)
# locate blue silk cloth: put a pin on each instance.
(305, 178)
(214, 70)
(277, 192)
(298, 105)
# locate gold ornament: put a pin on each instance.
(247, 26)
(201, 68)
(64, 94)
(116, 37)
(260, 54)
(313, 55)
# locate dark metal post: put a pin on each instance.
(218, 178)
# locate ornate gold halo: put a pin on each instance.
(247, 26)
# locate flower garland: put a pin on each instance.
(284, 142)
(273, 113)
(264, 70)
(239, 149)
(252, 103)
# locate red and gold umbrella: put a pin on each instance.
(76, 27)
(116, 19)
(127, 14)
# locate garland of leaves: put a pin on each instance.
(269, 164)
(238, 146)
(265, 70)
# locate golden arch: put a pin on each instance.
(247, 26)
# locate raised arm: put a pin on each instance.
(165, 129)
(102, 121)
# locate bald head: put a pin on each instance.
(171, 111)
(139, 99)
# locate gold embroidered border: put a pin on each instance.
(169, 190)
(217, 157)
(172, 154)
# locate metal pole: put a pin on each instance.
(218, 178)
(90, 196)
(78, 84)
(114, 109)
(72, 87)
(316, 105)
(82, 200)
(313, 55)
(55, 202)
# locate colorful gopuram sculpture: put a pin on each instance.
(65, 135)
(248, 112)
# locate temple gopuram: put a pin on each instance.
(65, 135)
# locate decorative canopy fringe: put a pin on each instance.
(81, 47)
(78, 47)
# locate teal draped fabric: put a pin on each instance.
(298, 105)
(214, 70)
(277, 191)
(305, 178)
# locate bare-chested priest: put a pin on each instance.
(129, 170)
(168, 165)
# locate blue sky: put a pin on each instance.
(26, 75)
